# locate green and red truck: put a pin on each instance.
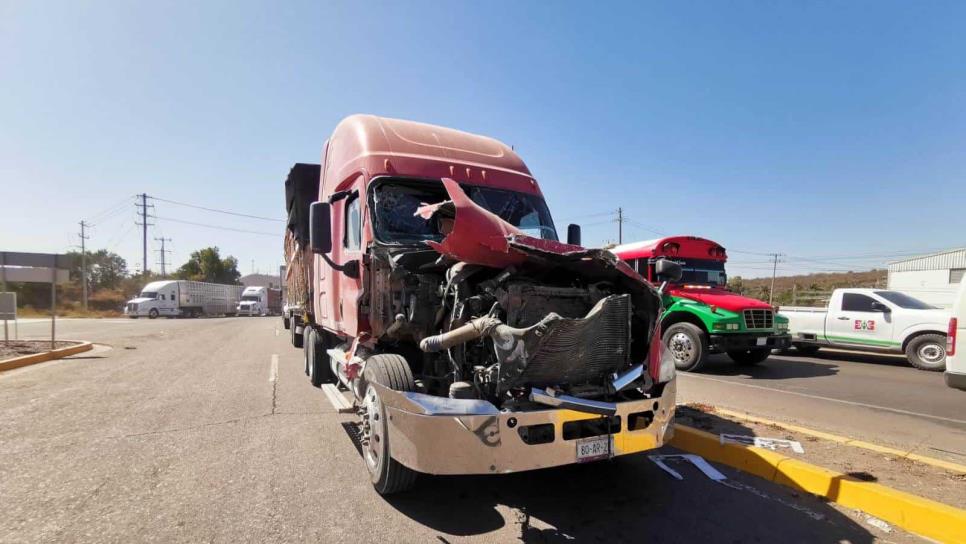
(701, 315)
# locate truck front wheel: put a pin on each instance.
(153, 314)
(927, 352)
(388, 475)
(687, 344)
(749, 357)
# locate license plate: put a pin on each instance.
(762, 341)
(592, 449)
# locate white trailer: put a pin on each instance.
(179, 298)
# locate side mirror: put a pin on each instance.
(880, 307)
(320, 227)
(666, 270)
(573, 234)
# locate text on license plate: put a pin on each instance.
(592, 449)
(762, 341)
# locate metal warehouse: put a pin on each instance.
(931, 278)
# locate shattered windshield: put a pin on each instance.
(396, 220)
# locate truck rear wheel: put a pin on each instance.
(285, 323)
(388, 475)
(687, 344)
(296, 337)
(927, 352)
(749, 357)
(316, 359)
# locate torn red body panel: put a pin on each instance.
(478, 236)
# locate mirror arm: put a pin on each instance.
(350, 268)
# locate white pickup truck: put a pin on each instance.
(873, 320)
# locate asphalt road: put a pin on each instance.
(208, 430)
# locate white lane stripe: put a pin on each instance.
(819, 397)
(273, 373)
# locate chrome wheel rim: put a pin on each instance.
(372, 430)
(932, 353)
(681, 346)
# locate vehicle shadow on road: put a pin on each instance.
(775, 368)
(628, 499)
(869, 358)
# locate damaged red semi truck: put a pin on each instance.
(429, 282)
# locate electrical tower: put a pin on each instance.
(144, 229)
(83, 238)
(774, 272)
(162, 252)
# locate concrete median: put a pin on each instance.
(27, 360)
(915, 514)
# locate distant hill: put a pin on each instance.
(806, 290)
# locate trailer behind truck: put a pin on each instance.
(180, 298)
(472, 341)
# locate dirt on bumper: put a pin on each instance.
(483, 440)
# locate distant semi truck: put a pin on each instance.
(260, 301)
(179, 298)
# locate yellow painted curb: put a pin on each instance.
(28, 360)
(947, 465)
(914, 514)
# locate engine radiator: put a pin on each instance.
(566, 351)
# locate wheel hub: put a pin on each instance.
(372, 439)
(932, 353)
(681, 347)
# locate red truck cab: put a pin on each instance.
(443, 301)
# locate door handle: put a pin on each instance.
(843, 318)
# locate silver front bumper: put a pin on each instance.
(435, 436)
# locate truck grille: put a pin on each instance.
(131, 307)
(758, 319)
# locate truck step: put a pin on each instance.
(337, 399)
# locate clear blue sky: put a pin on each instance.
(821, 130)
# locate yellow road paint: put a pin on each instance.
(27, 360)
(947, 465)
(914, 514)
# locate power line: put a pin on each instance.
(215, 226)
(109, 211)
(226, 212)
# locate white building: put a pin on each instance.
(930, 278)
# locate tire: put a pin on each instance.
(749, 357)
(927, 352)
(806, 349)
(286, 323)
(296, 337)
(153, 313)
(317, 360)
(687, 344)
(388, 475)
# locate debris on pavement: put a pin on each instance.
(695, 460)
(762, 442)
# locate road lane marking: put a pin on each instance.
(830, 399)
(273, 373)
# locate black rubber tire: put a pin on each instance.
(296, 337)
(807, 349)
(285, 323)
(317, 360)
(699, 346)
(914, 345)
(750, 357)
(392, 371)
(153, 313)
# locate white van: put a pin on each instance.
(955, 361)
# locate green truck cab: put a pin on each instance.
(701, 316)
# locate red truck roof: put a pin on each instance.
(672, 246)
(384, 146)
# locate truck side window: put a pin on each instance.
(162, 297)
(352, 238)
(854, 302)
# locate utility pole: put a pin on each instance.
(620, 226)
(144, 230)
(774, 272)
(83, 237)
(162, 251)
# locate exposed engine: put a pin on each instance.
(565, 320)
